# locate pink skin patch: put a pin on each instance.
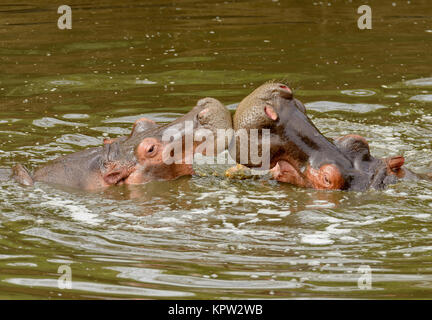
(286, 92)
(327, 177)
(283, 171)
(394, 165)
(108, 141)
(269, 111)
(286, 88)
(116, 173)
(203, 112)
(146, 120)
(147, 148)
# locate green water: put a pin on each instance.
(204, 236)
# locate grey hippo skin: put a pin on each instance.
(134, 159)
(300, 155)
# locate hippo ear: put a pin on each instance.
(108, 141)
(271, 113)
(395, 163)
(143, 124)
(354, 147)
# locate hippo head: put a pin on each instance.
(370, 172)
(166, 152)
(298, 153)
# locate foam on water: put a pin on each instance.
(78, 212)
(318, 239)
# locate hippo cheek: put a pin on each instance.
(327, 177)
(149, 155)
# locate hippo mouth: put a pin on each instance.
(122, 181)
(284, 171)
(117, 174)
(327, 177)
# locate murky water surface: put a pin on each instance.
(204, 236)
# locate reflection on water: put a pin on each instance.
(206, 236)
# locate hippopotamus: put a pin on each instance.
(300, 155)
(137, 158)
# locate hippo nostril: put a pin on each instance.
(286, 92)
(116, 174)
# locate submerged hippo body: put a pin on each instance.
(86, 169)
(135, 159)
(299, 154)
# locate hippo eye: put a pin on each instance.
(150, 149)
(331, 177)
